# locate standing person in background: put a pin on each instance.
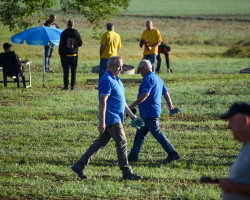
(163, 49)
(48, 49)
(149, 103)
(112, 105)
(237, 185)
(68, 50)
(110, 46)
(151, 39)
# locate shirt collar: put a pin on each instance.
(117, 78)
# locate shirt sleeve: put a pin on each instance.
(105, 87)
(159, 36)
(103, 41)
(164, 89)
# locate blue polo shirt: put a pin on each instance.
(112, 86)
(155, 87)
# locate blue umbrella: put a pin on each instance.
(38, 36)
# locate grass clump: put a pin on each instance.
(239, 50)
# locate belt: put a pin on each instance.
(71, 55)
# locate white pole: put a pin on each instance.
(43, 67)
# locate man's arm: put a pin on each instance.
(229, 186)
(79, 39)
(140, 99)
(129, 112)
(102, 49)
(168, 100)
(154, 45)
(102, 112)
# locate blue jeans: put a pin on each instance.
(103, 67)
(151, 58)
(152, 125)
(48, 53)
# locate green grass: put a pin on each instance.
(188, 8)
(38, 148)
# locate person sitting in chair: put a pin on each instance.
(11, 65)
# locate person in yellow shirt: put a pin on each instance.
(110, 46)
(150, 39)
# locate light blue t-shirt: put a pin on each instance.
(112, 86)
(155, 87)
(240, 172)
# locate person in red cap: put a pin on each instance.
(237, 185)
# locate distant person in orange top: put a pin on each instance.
(150, 39)
(110, 47)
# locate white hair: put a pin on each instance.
(145, 63)
(114, 60)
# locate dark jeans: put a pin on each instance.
(48, 53)
(102, 67)
(159, 61)
(152, 125)
(66, 63)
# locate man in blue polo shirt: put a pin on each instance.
(111, 115)
(149, 103)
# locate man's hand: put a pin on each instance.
(174, 111)
(227, 185)
(137, 122)
(101, 127)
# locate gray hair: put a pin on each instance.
(145, 63)
(114, 60)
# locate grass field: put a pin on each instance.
(38, 148)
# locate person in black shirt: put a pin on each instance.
(68, 50)
(11, 65)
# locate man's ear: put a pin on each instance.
(247, 120)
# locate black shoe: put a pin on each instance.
(65, 88)
(132, 177)
(132, 157)
(171, 157)
(49, 70)
(78, 171)
(72, 88)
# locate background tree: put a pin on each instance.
(21, 14)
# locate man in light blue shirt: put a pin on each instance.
(111, 111)
(149, 102)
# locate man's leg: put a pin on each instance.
(102, 67)
(47, 53)
(140, 136)
(65, 66)
(153, 124)
(97, 145)
(118, 135)
(159, 61)
(73, 65)
(49, 57)
(155, 130)
(168, 63)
